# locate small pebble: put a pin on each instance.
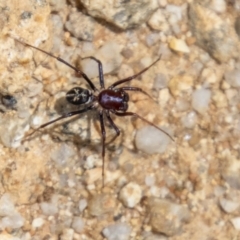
(236, 5)
(180, 83)
(228, 206)
(130, 195)
(179, 45)
(110, 55)
(233, 77)
(201, 99)
(182, 105)
(78, 224)
(6, 205)
(219, 191)
(162, 3)
(49, 209)
(117, 231)
(100, 204)
(82, 204)
(67, 234)
(209, 75)
(37, 222)
(189, 120)
(176, 11)
(87, 49)
(236, 223)
(125, 71)
(152, 39)
(231, 176)
(167, 217)
(150, 180)
(34, 89)
(219, 99)
(164, 96)
(12, 131)
(90, 67)
(13, 221)
(158, 21)
(93, 175)
(62, 154)
(144, 140)
(91, 161)
(85, 32)
(36, 121)
(219, 6)
(6, 236)
(160, 81)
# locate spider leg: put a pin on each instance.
(134, 76)
(143, 119)
(64, 62)
(113, 125)
(103, 142)
(66, 115)
(100, 70)
(135, 89)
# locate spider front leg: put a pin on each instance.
(100, 70)
(103, 131)
(62, 61)
(112, 123)
(134, 76)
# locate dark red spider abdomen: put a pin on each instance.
(115, 99)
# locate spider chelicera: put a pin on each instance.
(113, 100)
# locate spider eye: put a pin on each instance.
(78, 96)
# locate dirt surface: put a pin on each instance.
(51, 181)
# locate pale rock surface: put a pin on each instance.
(167, 217)
(213, 34)
(122, 14)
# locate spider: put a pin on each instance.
(106, 101)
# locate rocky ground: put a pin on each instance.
(155, 187)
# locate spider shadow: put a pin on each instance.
(66, 134)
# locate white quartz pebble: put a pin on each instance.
(233, 77)
(117, 231)
(6, 205)
(151, 140)
(131, 194)
(236, 223)
(37, 222)
(228, 205)
(201, 99)
(77, 224)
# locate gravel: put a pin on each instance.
(51, 181)
(78, 224)
(233, 77)
(118, 231)
(167, 217)
(228, 205)
(236, 223)
(151, 140)
(201, 99)
(130, 195)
